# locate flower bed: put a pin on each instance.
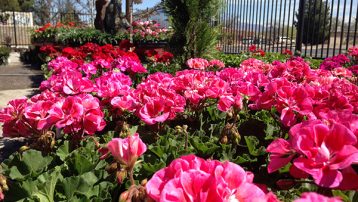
(102, 129)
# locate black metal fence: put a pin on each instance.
(316, 28)
(16, 27)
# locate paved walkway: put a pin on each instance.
(19, 77)
(18, 81)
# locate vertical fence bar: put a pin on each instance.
(239, 5)
(245, 25)
(300, 27)
(342, 30)
(252, 26)
(271, 26)
(293, 24)
(355, 28)
(236, 26)
(307, 25)
(274, 27)
(330, 29)
(267, 7)
(234, 11)
(248, 22)
(314, 24)
(319, 26)
(233, 16)
(240, 25)
(283, 23)
(336, 28)
(324, 30)
(259, 24)
(224, 27)
(14, 21)
(256, 28)
(229, 21)
(349, 24)
(279, 26)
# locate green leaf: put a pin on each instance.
(35, 162)
(46, 190)
(252, 143)
(157, 150)
(80, 163)
(341, 194)
(31, 163)
(63, 151)
(152, 168)
(133, 129)
(205, 149)
(68, 186)
(15, 174)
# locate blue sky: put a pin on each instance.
(144, 5)
(253, 4)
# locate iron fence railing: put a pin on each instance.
(315, 28)
(16, 27)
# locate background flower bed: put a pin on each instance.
(249, 115)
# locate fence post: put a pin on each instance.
(14, 22)
(299, 34)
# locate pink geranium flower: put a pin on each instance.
(217, 63)
(77, 114)
(190, 178)
(322, 151)
(13, 119)
(314, 197)
(112, 84)
(128, 150)
(197, 63)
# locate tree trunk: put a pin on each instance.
(129, 11)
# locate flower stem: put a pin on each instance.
(130, 174)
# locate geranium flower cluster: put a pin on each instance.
(80, 114)
(325, 151)
(158, 56)
(295, 90)
(162, 96)
(58, 25)
(203, 64)
(190, 178)
(333, 62)
(89, 52)
(256, 51)
(353, 52)
(66, 101)
(149, 30)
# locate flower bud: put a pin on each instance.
(24, 148)
(121, 175)
(112, 167)
(124, 197)
(144, 182)
(224, 140)
(2, 180)
(5, 187)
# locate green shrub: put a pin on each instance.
(4, 55)
(31, 56)
(234, 60)
(194, 35)
(71, 36)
